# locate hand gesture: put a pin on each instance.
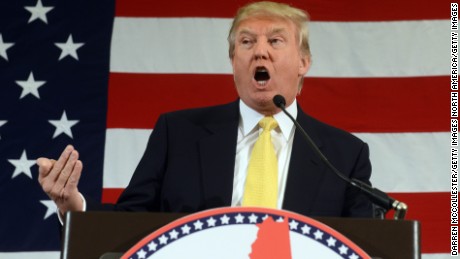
(59, 179)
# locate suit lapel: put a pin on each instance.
(306, 170)
(217, 153)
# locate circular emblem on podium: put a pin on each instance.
(245, 232)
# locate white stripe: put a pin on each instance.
(155, 45)
(352, 49)
(123, 151)
(402, 162)
(409, 162)
(436, 256)
(379, 49)
(31, 255)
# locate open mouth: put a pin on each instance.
(261, 76)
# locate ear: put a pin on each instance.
(304, 64)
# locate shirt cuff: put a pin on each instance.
(60, 217)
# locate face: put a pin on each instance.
(266, 62)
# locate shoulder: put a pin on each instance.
(328, 131)
(218, 114)
(228, 109)
(330, 136)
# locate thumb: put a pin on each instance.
(44, 166)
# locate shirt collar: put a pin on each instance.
(250, 118)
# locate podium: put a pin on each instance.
(110, 234)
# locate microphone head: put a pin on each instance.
(279, 101)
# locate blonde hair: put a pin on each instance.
(299, 17)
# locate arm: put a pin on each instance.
(356, 203)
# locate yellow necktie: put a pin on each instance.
(261, 187)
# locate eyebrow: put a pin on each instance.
(277, 30)
(272, 31)
(246, 31)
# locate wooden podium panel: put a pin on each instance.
(381, 238)
(93, 234)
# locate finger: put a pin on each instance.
(57, 183)
(65, 173)
(61, 162)
(71, 187)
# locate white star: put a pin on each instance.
(3, 47)
(69, 48)
(280, 219)
(264, 217)
(163, 240)
(1, 124)
(38, 12)
(331, 241)
(318, 234)
(239, 218)
(173, 234)
(306, 229)
(293, 224)
(51, 208)
(63, 125)
(253, 218)
(224, 219)
(30, 86)
(343, 250)
(211, 222)
(22, 165)
(185, 229)
(353, 256)
(152, 246)
(141, 254)
(198, 225)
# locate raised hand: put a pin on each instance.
(59, 179)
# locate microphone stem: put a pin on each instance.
(313, 146)
(375, 195)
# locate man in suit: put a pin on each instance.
(201, 158)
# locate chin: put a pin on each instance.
(265, 105)
(263, 99)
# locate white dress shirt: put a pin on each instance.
(248, 132)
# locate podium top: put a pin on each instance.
(92, 234)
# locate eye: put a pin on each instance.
(276, 41)
(246, 42)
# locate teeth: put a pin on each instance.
(261, 83)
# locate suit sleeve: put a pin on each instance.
(356, 203)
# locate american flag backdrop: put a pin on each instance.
(97, 74)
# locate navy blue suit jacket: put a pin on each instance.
(189, 163)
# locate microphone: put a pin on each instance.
(375, 195)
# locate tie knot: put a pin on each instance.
(268, 123)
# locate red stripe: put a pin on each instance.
(418, 104)
(136, 100)
(111, 195)
(430, 209)
(319, 10)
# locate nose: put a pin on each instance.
(261, 50)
